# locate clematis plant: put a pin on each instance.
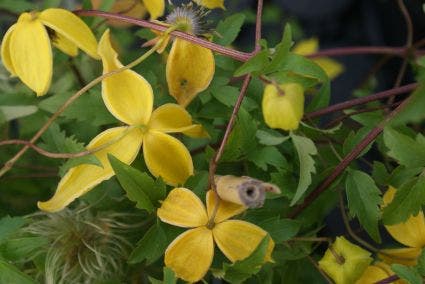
(26, 49)
(190, 255)
(129, 97)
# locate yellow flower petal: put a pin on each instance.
(331, 67)
(375, 273)
(405, 256)
(65, 45)
(127, 95)
(306, 47)
(5, 51)
(167, 157)
(355, 261)
(238, 239)
(31, 54)
(129, 8)
(71, 27)
(190, 255)
(79, 180)
(411, 233)
(189, 70)
(283, 110)
(211, 4)
(183, 208)
(171, 118)
(155, 8)
(225, 209)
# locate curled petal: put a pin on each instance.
(167, 157)
(189, 70)
(331, 67)
(283, 108)
(405, 256)
(127, 95)
(183, 208)
(129, 8)
(238, 239)
(71, 27)
(375, 273)
(80, 179)
(225, 209)
(31, 54)
(171, 118)
(306, 47)
(5, 51)
(65, 45)
(410, 233)
(190, 255)
(155, 8)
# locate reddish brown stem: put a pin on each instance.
(362, 100)
(355, 50)
(339, 169)
(390, 279)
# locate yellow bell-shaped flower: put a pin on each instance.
(345, 262)
(26, 51)
(377, 272)
(211, 4)
(190, 255)
(284, 107)
(410, 233)
(129, 97)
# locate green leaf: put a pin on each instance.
(151, 247)
(414, 111)
(228, 96)
(14, 112)
(305, 67)
(380, 174)
(242, 139)
(406, 150)
(408, 200)
(18, 249)
(270, 138)
(353, 139)
(280, 229)
(9, 226)
(56, 141)
(229, 28)
(267, 156)
(326, 131)
(16, 6)
(421, 263)
(169, 276)
(239, 271)
(11, 274)
(305, 149)
(281, 51)
(410, 274)
(254, 64)
(140, 187)
(363, 201)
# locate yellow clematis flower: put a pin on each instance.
(283, 108)
(375, 273)
(190, 255)
(411, 233)
(134, 8)
(129, 97)
(211, 4)
(351, 265)
(26, 51)
(331, 67)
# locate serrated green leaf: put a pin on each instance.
(9, 225)
(414, 111)
(281, 51)
(407, 273)
(305, 150)
(14, 112)
(363, 201)
(229, 28)
(140, 187)
(327, 131)
(353, 139)
(239, 271)
(228, 95)
(270, 138)
(380, 174)
(151, 247)
(408, 200)
(11, 274)
(406, 150)
(280, 229)
(254, 64)
(267, 156)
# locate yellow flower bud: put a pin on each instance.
(284, 107)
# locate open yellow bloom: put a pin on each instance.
(411, 233)
(190, 255)
(351, 265)
(283, 108)
(377, 272)
(26, 51)
(331, 67)
(129, 97)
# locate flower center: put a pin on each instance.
(187, 19)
